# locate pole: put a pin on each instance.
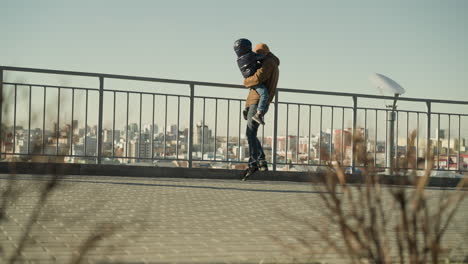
(275, 131)
(390, 151)
(428, 132)
(101, 99)
(353, 146)
(1, 110)
(190, 133)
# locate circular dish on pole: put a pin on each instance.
(386, 85)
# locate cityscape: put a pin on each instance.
(169, 147)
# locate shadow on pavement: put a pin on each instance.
(172, 185)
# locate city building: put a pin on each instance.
(202, 134)
(139, 149)
(107, 135)
(147, 128)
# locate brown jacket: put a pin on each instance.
(268, 74)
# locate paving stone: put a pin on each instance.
(177, 221)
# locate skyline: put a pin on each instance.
(308, 114)
(134, 129)
(122, 147)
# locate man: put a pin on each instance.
(268, 75)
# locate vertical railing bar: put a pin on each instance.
(365, 127)
(386, 137)
(227, 131)
(140, 128)
(428, 134)
(353, 133)
(287, 133)
(417, 140)
(459, 143)
(29, 121)
(165, 127)
(238, 138)
(1, 108)
(58, 123)
(448, 143)
(375, 138)
(43, 120)
(331, 134)
(342, 136)
(72, 125)
(263, 135)
(113, 125)
(298, 134)
(190, 133)
(438, 141)
(308, 143)
(152, 129)
(14, 122)
(216, 128)
(396, 157)
(365, 132)
(100, 120)
(86, 124)
(320, 136)
(126, 127)
(407, 139)
(178, 128)
(275, 132)
(203, 130)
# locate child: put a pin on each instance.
(248, 62)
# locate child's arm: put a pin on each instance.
(261, 75)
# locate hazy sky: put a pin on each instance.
(323, 45)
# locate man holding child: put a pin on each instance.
(261, 73)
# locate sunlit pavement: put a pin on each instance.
(171, 220)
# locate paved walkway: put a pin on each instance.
(170, 220)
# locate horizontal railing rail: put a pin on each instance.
(291, 149)
(224, 85)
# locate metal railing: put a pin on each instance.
(333, 142)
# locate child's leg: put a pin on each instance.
(264, 95)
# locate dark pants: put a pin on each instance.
(257, 156)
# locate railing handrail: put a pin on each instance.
(390, 117)
(224, 85)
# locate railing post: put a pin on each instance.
(1, 110)
(275, 131)
(353, 133)
(428, 132)
(459, 145)
(190, 133)
(390, 151)
(99, 139)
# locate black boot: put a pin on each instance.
(248, 172)
(258, 117)
(263, 167)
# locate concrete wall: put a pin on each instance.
(198, 173)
